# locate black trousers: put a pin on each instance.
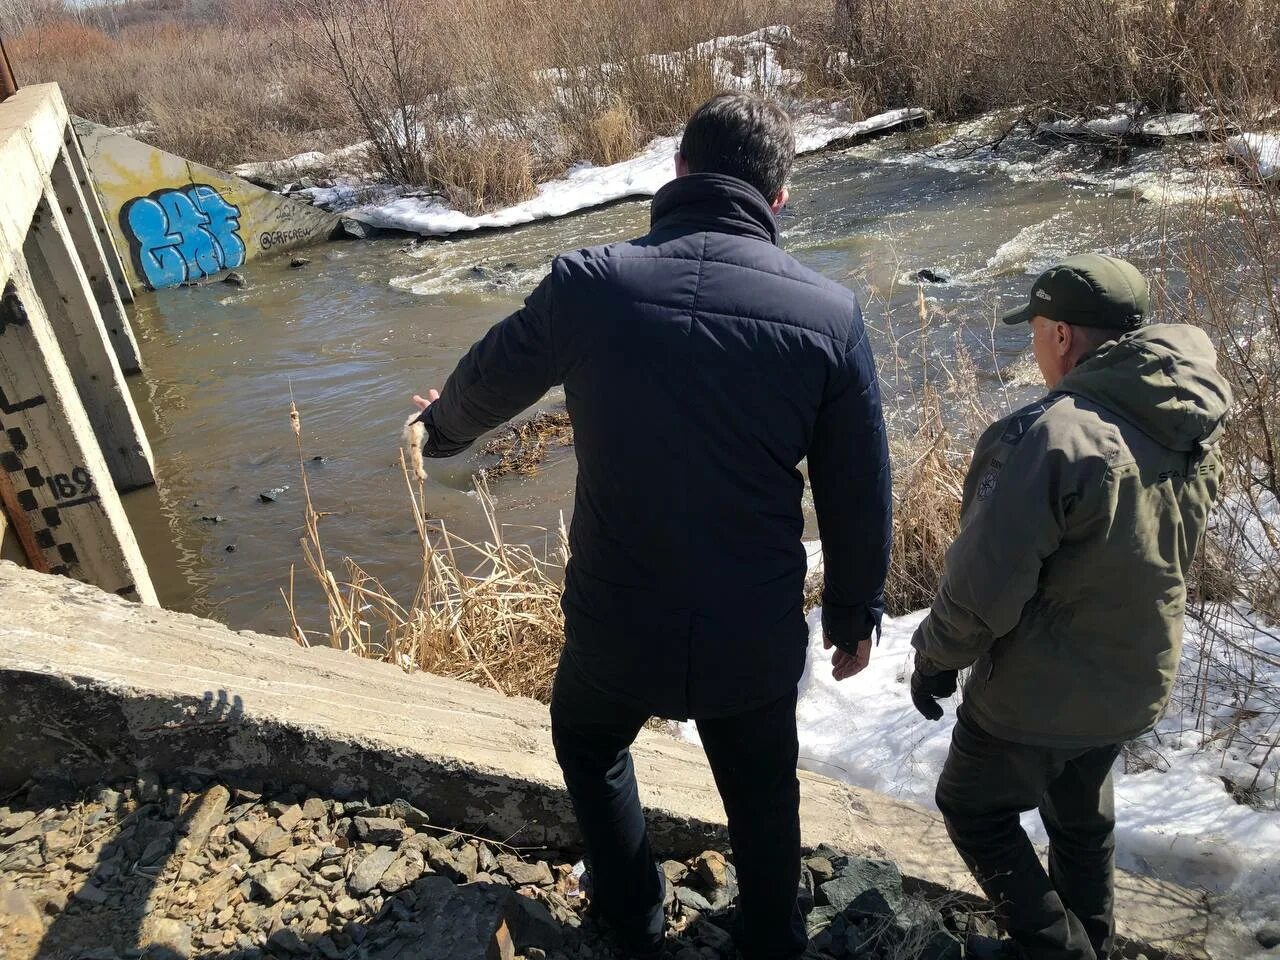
(753, 759)
(986, 784)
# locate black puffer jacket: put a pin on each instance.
(701, 365)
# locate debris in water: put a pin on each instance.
(235, 279)
(272, 495)
(297, 262)
(216, 518)
(523, 448)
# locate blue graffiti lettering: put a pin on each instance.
(178, 236)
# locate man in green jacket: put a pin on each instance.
(1065, 590)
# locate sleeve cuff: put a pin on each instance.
(847, 626)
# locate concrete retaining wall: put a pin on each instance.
(178, 221)
(93, 686)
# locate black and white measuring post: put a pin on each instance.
(70, 438)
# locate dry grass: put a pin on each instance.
(482, 99)
(488, 613)
(187, 83)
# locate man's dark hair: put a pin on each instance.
(744, 136)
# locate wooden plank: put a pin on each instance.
(66, 294)
(106, 237)
(74, 205)
(51, 457)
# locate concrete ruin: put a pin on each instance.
(181, 221)
(96, 687)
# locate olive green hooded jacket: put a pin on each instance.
(1066, 586)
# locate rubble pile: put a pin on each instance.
(194, 868)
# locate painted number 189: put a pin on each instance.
(78, 483)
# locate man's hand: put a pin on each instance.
(423, 402)
(928, 686)
(845, 664)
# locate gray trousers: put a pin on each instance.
(986, 784)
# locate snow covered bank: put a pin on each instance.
(1175, 818)
(584, 186)
(1260, 151)
(1166, 158)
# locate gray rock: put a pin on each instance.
(271, 842)
(234, 278)
(167, 938)
(346, 907)
(370, 870)
(410, 814)
(1268, 935)
(378, 830)
(248, 831)
(287, 940)
(17, 906)
(675, 871)
(533, 925)
(155, 852)
(109, 798)
(15, 820)
(859, 876)
(821, 869)
(206, 813)
(706, 932)
(297, 262)
(25, 834)
(91, 893)
(277, 883)
(289, 818)
(537, 874)
(314, 809)
(404, 871)
(332, 871)
(467, 858)
(820, 918)
(691, 899)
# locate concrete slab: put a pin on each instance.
(95, 686)
(182, 221)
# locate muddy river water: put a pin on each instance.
(365, 324)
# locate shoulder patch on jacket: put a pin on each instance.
(987, 485)
(1021, 421)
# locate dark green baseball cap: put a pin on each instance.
(1089, 290)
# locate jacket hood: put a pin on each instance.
(1163, 379)
(714, 202)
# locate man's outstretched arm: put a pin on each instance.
(507, 370)
(852, 494)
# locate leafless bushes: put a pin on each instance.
(217, 94)
(958, 58)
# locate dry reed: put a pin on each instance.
(487, 612)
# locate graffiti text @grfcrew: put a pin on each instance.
(180, 235)
(278, 238)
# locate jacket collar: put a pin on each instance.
(715, 203)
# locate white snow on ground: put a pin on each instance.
(1186, 168)
(584, 186)
(1258, 150)
(1177, 822)
(1175, 818)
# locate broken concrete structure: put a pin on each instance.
(96, 687)
(182, 221)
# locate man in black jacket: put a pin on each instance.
(701, 365)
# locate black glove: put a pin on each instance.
(928, 687)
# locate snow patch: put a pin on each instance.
(1175, 818)
(583, 187)
(1260, 151)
